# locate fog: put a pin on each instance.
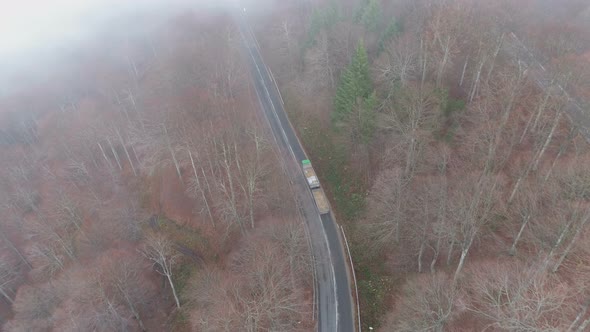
(35, 36)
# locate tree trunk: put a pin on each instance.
(15, 249)
(132, 308)
(139, 118)
(126, 151)
(93, 158)
(580, 315)
(526, 128)
(584, 325)
(251, 209)
(560, 239)
(171, 150)
(547, 141)
(115, 153)
(572, 242)
(5, 295)
(420, 252)
(522, 227)
(540, 110)
(498, 47)
(105, 156)
(169, 276)
(450, 253)
(435, 256)
(232, 194)
(237, 158)
(536, 116)
(503, 121)
(464, 253)
(136, 156)
(424, 54)
(205, 178)
(121, 106)
(475, 85)
(410, 157)
(443, 64)
(517, 185)
(201, 189)
(562, 149)
(398, 208)
(463, 72)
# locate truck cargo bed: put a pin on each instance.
(320, 200)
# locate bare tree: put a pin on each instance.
(96, 309)
(229, 166)
(525, 299)
(262, 288)
(578, 228)
(8, 275)
(527, 207)
(254, 173)
(472, 205)
(231, 70)
(321, 62)
(34, 306)
(172, 152)
(544, 136)
(123, 278)
(514, 84)
(275, 304)
(124, 145)
(67, 212)
(53, 246)
(570, 139)
(293, 241)
(431, 224)
(409, 122)
(387, 210)
(8, 242)
(398, 64)
(445, 25)
(159, 250)
(115, 153)
(196, 189)
(427, 304)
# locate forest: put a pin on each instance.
(452, 138)
(141, 188)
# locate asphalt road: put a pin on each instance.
(333, 292)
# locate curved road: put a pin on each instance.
(333, 295)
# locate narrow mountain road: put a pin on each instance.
(333, 295)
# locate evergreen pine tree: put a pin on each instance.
(354, 103)
(354, 83)
(371, 15)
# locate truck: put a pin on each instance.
(321, 201)
(312, 178)
(313, 182)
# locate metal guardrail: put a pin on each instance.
(358, 307)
